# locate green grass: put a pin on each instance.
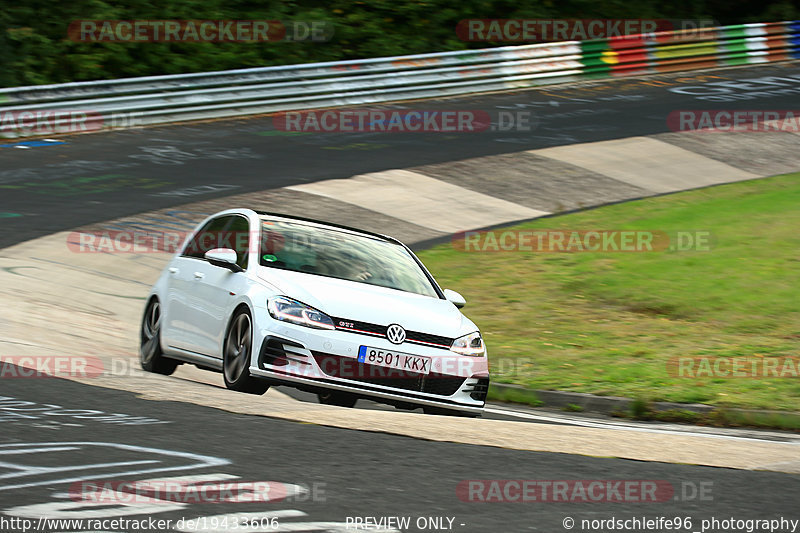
(720, 417)
(514, 395)
(607, 323)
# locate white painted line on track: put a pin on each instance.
(94, 470)
(631, 426)
(38, 450)
(30, 471)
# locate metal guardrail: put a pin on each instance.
(206, 95)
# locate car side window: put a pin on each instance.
(207, 237)
(239, 231)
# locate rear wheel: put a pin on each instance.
(150, 355)
(342, 399)
(236, 356)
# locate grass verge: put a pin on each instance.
(609, 323)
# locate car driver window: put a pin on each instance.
(239, 231)
(206, 238)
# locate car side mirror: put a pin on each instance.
(455, 298)
(223, 257)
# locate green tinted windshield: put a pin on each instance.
(340, 254)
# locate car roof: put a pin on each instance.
(330, 224)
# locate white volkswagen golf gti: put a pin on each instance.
(272, 299)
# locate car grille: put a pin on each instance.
(376, 330)
(348, 368)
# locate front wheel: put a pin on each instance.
(236, 356)
(342, 399)
(150, 355)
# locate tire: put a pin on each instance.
(449, 412)
(236, 352)
(150, 355)
(342, 399)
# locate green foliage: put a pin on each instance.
(641, 409)
(681, 416)
(519, 395)
(35, 49)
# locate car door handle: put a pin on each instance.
(199, 275)
(173, 270)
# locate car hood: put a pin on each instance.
(352, 300)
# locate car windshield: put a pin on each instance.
(341, 254)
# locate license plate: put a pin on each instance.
(398, 360)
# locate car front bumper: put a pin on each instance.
(321, 359)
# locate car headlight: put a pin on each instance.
(471, 345)
(288, 310)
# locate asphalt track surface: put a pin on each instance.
(348, 474)
(92, 178)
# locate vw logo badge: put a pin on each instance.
(396, 334)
